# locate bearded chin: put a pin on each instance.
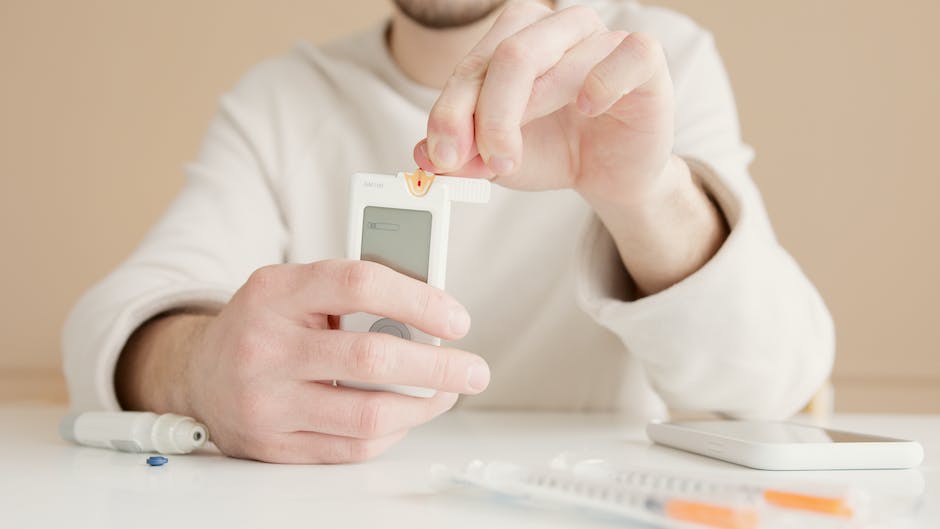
(444, 14)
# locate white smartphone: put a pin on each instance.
(770, 445)
(402, 221)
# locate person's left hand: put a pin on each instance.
(549, 100)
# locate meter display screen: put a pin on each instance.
(397, 238)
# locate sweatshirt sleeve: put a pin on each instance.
(224, 224)
(746, 335)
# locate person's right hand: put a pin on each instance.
(258, 374)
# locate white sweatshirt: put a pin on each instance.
(746, 335)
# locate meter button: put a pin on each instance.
(390, 326)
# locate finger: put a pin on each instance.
(313, 448)
(551, 91)
(475, 168)
(385, 359)
(560, 86)
(348, 286)
(361, 414)
(450, 123)
(637, 65)
(515, 65)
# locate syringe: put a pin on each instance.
(605, 496)
(830, 500)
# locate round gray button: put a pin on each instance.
(390, 326)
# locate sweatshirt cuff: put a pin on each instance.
(607, 293)
(138, 312)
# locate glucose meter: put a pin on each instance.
(402, 221)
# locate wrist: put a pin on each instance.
(152, 370)
(665, 233)
(665, 197)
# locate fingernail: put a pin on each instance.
(459, 321)
(501, 165)
(445, 154)
(423, 150)
(478, 378)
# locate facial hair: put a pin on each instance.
(444, 14)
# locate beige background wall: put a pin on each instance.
(101, 102)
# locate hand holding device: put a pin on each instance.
(555, 99)
(403, 221)
(259, 374)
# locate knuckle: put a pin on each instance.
(428, 302)
(370, 417)
(358, 279)
(496, 132)
(545, 83)
(261, 280)
(643, 47)
(441, 369)
(471, 67)
(319, 269)
(445, 118)
(514, 52)
(369, 357)
(318, 275)
(596, 86)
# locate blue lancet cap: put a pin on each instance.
(156, 461)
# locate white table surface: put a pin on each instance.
(46, 482)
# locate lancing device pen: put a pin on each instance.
(134, 431)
